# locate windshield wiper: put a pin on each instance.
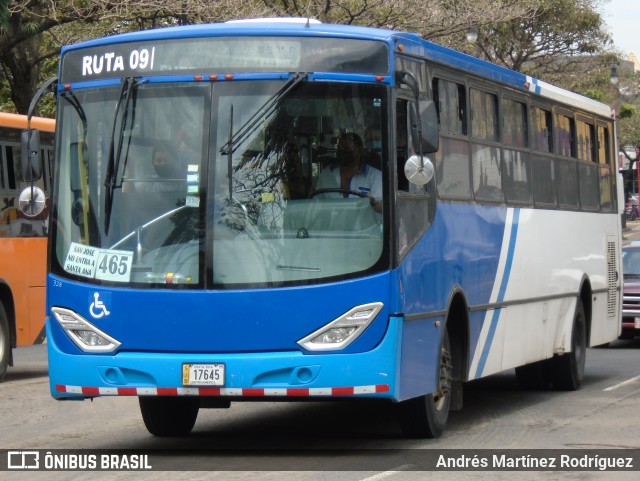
(113, 159)
(236, 138)
(70, 97)
(265, 110)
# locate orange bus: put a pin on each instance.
(23, 238)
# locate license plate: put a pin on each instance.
(637, 322)
(203, 374)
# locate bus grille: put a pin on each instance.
(612, 292)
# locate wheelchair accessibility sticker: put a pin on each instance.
(98, 308)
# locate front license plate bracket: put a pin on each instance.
(203, 374)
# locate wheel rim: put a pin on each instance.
(3, 335)
(579, 343)
(441, 396)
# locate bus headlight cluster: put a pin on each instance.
(341, 332)
(84, 334)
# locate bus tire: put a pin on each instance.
(567, 371)
(534, 376)
(169, 416)
(5, 342)
(426, 416)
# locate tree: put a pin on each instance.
(625, 100)
(436, 20)
(529, 35)
(560, 35)
(32, 31)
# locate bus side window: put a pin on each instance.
(402, 144)
(12, 180)
(3, 180)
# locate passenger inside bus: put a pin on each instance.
(168, 170)
(351, 173)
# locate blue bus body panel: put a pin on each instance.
(254, 332)
(461, 250)
(279, 374)
(226, 321)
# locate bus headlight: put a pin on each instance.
(341, 332)
(84, 334)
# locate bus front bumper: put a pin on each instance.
(247, 375)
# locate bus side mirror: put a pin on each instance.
(30, 165)
(425, 130)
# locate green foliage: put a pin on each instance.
(594, 94)
(627, 111)
(558, 30)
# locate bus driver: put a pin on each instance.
(351, 173)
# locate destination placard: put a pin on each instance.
(224, 55)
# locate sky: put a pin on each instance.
(623, 20)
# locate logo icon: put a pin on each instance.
(23, 460)
(98, 308)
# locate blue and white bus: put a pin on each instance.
(479, 231)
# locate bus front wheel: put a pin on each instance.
(169, 416)
(568, 369)
(5, 342)
(426, 416)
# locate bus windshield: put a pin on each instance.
(221, 184)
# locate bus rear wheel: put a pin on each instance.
(535, 376)
(5, 342)
(169, 416)
(426, 416)
(567, 370)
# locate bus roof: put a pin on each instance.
(18, 121)
(414, 44)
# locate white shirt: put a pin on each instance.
(367, 180)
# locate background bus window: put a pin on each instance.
(3, 174)
(9, 180)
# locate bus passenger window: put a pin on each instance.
(586, 141)
(485, 157)
(565, 136)
(603, 148)
(451, 104)
(541, 123)
(516, 175)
